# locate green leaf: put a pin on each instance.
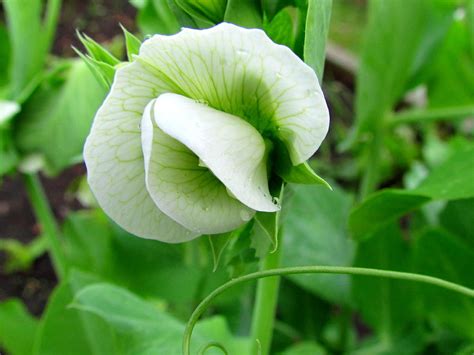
(198, 12)
(280, 28)
(97, 51)
(17, 328)
(5, 51)
(451, 82)
(57, 119)
(388, 306)
(103, 72)
(143, 328)
(457, 218)
(132, 43)
(64, 330)
(157, 17)
(30, 40)
(218, 243)
(391, 55)
(450, 180)
(317, 27)
(381, 208)
(440, 254)
(21, 256)
(245, 13)
(315, 234)
(305, 348)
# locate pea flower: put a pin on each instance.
(192, 129)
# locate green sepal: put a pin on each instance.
(132, 43)
(264, 237)
(103, 72)
(296, 174)
(96, 51)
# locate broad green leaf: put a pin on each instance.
(457, 217)
(451, 180)
(443, 255)
(391, 55)
(199, 11)
(57, 119)
(64, 330)
(317, 27)
(315, 233)
(451, 82)
(184, 130)
(383, 207)
(280, 29)
(156, 17)
(152, 270)
(245, 13)
(388, 306)
(17, 328)
(143, 328)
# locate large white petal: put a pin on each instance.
(114, 158)
(229, 146)
(242, 72)
(180, 187)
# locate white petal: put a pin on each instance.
(184, 190)
(229, 146)
(114, 158)
(242, 72)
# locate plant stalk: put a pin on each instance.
(45, 217)
(265, 306)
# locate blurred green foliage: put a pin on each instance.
(131, 296)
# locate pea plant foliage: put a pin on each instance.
(186, 141)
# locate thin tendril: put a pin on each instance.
(213, 345)
(201, 308)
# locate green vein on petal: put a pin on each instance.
(114, 158)
(179, 186)
(242, 72)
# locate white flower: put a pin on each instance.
(181, 146)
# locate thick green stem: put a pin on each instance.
(265, 306)
(45, 217)
(201, 308)
(371, 176)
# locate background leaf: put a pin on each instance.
(17, 328)
(315, 233)
(57, 119)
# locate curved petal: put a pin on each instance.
(242, 72)
(184, 190)
(114, 158)
(232, 149)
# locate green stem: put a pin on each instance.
(201, 308)
(371, 177)
(265, 306)
(431, 115)
(48, 223)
